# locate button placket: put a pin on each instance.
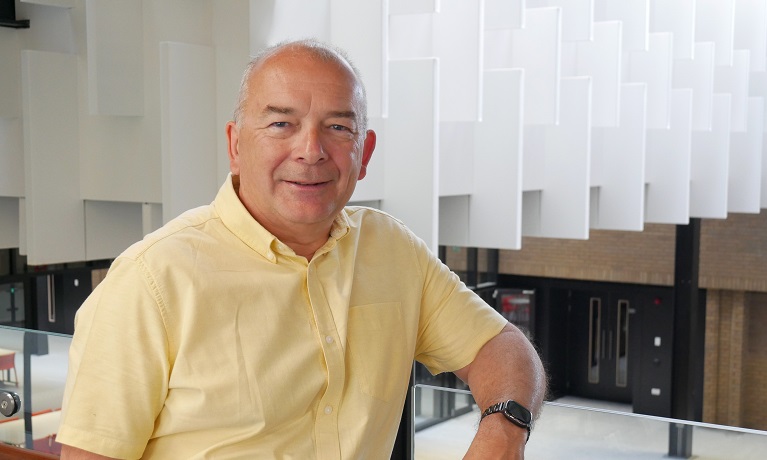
(326, 425)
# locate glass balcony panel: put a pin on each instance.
(33, 365)
(573, 432)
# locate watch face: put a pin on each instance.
(518, 412)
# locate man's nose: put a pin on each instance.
(311, 149)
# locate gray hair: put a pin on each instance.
(322, 51)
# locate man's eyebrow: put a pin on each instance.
(269, 109)
(343, 114)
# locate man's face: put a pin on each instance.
(298, 149)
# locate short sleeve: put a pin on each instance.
(118, 365)
(454, 321)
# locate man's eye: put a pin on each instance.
(280, 124)
(340, 128)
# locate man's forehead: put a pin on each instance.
(284, 94)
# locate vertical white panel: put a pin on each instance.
(188, 112)
(411, 167)
(618, 161)
(458, 45)
(564, 200)
(412, 6)
(10, 77)
(454, 220)
(751, 30)
(601, 60)
(371, 188)
(745, 180)
(635, 15)
(277, 21)
(536, 48)
(504, 14)
(715, 22)
(577, 17)
(9, 223)
(534, 157)
(677, 17)
(654, 68)
(115, 39)
(110, 228)
(364, 39)
(757, 87)
(496, 204)
(456, 157)
(667, 168)
(411, 36)
(55, 224)
(117, 160)
(698, 75)
(734, 80)
(710, 163)
(454, 36)
(11, 157)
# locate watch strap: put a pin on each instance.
(504, 407)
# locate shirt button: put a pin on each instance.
(328, 410)
(329, 339)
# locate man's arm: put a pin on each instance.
(507, 367)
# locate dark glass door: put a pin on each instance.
(600, 361)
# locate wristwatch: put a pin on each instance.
(514, 412)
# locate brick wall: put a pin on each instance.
(711, 359)
(633, 257)
(736, 359)
(733, 255)
(755, 363)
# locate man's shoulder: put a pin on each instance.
(374, 224)
(177, 232)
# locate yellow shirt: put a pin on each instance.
(212, 339)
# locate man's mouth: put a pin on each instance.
(306, 184)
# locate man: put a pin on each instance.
(276, 323)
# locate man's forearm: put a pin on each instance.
(507, 367)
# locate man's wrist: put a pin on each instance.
(513, 412)
(497, 438)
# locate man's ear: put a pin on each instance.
(367, 151)
(233, 147)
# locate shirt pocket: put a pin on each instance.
(377, 343)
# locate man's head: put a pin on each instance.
(321, 51)
(299, 141)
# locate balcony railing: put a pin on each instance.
(573, 432)
(33, 365)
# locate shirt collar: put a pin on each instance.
(238, 220)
